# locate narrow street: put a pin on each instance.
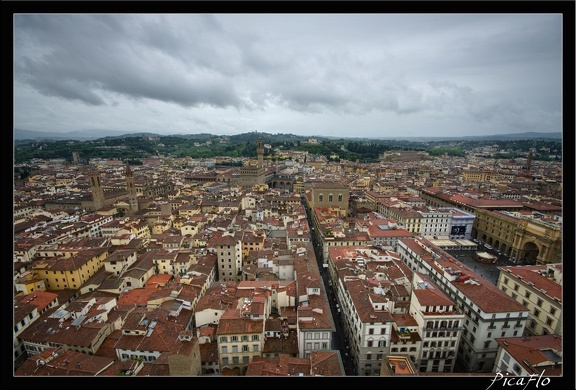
(340, 339)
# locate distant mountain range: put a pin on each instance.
(496, 137)
(85, 135)
(81, 135)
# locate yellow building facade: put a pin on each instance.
(523, 239)
(71, 270)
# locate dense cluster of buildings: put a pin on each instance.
(179, 268)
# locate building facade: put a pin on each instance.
(488, 311)
(539, 289)
(526, 239)
(440, 324)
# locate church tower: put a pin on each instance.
(97, 190)
(260, 169)
(260, 149)
(131, 189)
(529, 160)
(76, 158)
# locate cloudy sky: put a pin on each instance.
(345, 75)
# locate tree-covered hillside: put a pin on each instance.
(133, 148)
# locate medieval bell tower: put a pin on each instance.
(97, 190)
(131, 189)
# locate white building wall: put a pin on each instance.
(480, 327)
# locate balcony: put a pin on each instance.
(404, 333)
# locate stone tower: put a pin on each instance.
(76, 158)
(529, 160)
(260, 149)
(97, 190)
(131, 189)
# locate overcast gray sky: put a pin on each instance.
(346, 75)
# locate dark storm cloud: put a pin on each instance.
(501, 70)
(93, 55)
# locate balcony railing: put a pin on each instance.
(443, 329)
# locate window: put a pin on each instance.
(244, 338)
(234, 349)
(234, 338)
(320, 198)
(255, 347)
(255, 337)
(225, 361)
(330, 198)
(527, 294)
(223, 339)
(536, 312)
(548, 321)
(224, 349)
(245, 348)
(539, 302)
